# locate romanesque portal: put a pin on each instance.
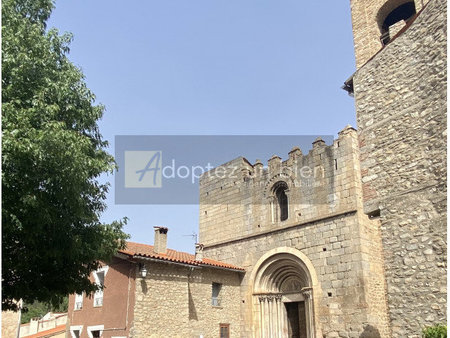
(282, 298)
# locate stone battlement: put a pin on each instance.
(239, 199)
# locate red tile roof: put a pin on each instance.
(49, 333)
(144, 250)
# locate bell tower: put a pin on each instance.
(376, 22)
(400, 91)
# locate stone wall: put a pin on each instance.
(10, 323)
(400, 98)
(349, 298)
(366, 15)
(327, 226)
(175, 301)
(237, 199)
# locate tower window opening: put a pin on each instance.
(282, 199)
(391, 26)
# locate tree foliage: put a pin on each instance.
(39, 309)
(52, 157)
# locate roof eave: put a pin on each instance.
(198, 264)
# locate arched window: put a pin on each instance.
(280, 189)
(401, 13)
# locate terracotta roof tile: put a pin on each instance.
(49, 333)
(144, 250)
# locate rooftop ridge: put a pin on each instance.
(146, 251)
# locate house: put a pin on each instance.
(50, 325)
(152, 291)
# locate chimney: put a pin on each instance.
(198, 252)
(160, 245)
(34, 326)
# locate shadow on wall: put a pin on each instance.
(370, 332)
(192, 310)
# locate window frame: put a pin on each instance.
(90, 329)
(78, 299)
(98, 295)
(75, 328)
(280, 211)
(216, 301)
(224, 325)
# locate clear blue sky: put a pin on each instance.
(179, 67)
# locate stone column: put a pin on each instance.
(273, 209)
(307, 293)
(284, 322)
(279, 317)
(272, 316)
(290, 206)
(261, 315)
(264, 326)
(271, 319)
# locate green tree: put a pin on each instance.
(38, 309)
(52, 157)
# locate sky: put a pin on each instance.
(209, 67)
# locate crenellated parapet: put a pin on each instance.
(239, 198)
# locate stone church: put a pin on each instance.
(349, 240)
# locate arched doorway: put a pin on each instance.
(283, 296)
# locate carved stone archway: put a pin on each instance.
(282, 280)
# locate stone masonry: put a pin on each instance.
(185, 293)
(10, 323)
(239, 224)
(367, 17)
(400, 98)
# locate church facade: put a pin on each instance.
(313, 259)
(349, 240)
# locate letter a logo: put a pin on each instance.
(152, 165)
(143, 169)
